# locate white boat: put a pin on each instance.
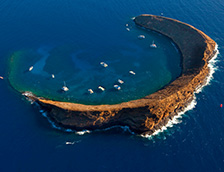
(141, 36)
(133, 18)
(69, 143)
(31, 68)
(153, 45)
(126, 25)
(90, 91)
(53, 76)
(117, 87)
(101, 88)
(103, 64)
(64, 88)
(120, 81)
(132, 72)
(127, 29)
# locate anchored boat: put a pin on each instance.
(153, 45)
(64, 88)
(141, 36)
(117, 87)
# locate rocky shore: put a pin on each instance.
(144, 116)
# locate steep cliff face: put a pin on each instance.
(145, 115)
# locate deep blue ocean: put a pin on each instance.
(30, 143)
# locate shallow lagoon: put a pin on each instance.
(78, 66)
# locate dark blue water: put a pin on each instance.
(30, 143)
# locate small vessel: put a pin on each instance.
(69, 143)
(103, 64)
(53, 76)
(127, 29)
(141, 36)
(64, 88)
(120, 81)
(90, 91)
(31, 68)
(126, 25)
(1, 77)
(153, 45)
(101, 88)
(117, 87)
(133, 18)
(132, 72)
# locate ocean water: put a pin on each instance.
(77, 65)
(30, 143)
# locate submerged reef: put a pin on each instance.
(145, 115)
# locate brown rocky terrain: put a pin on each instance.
(145, 115)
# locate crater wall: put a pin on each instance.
(145, 115)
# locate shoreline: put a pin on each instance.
(146, 115)
(191, 105)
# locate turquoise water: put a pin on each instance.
(78, 66)
(28, 140)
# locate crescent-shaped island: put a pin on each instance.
(145, 115)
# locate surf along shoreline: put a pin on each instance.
(146, 115)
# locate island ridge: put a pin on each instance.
(145, 115)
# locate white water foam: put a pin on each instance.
(176, 119)
(44, 114)
(212, 68)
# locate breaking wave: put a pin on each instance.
(54, 125)
(177, 119)
(44, 114)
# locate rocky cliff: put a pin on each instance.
(145, 115)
